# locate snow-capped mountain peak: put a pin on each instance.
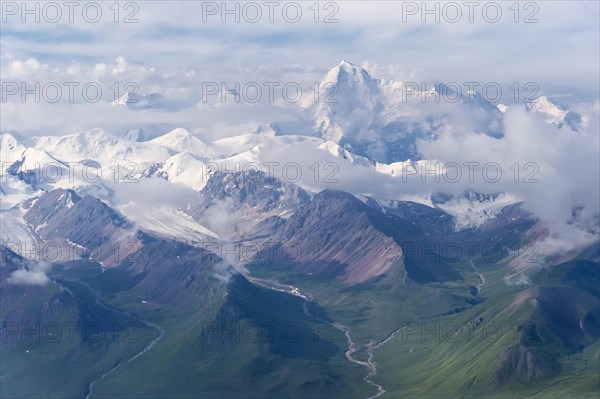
(348, 96)
(544, 105)
(123, 100)
(553, 113)
(180, 140)
(100, 146)
(376, 118)
(175, 134)
(8, 140)
(348, 74)
(10, 148)
(138, 101)
(22, 157)
(184, 168)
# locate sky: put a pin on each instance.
(551, 41)
(174, 47)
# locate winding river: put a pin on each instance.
(370, 364)
(352, 347)
(146, 348)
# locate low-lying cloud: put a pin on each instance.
(35, 274)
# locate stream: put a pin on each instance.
(96, 295)
(146, 348)
(370, 365)
(479, 286)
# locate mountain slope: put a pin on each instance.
(336, 234)
(81, 227)
(180, 140)
(57, 337)
(223, 335)
(246, 204)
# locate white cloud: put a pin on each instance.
(223, 271)
(121, 66)
(99, 71)
(35, 274)
(371, 30)
(29, 68)
(222, 217)
(567, 163)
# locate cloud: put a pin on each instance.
(363, 31)
(554, 172)
(181, 88)
(565, 193)
(142, 200)
(222, 217)
(36, 274)
(518, 278)
(223, 271)
(99, 71)
(23, 69)
(121, 66)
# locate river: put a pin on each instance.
(370, 365)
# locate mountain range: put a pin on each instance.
(306, 259)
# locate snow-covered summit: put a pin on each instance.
(143, 101)
(544, 106)
(180, 140)
(382, 119)
(350, 75)
(100, 146)
(553, 113)
(10, 148)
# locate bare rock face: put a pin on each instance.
(81, 227)
(246, 204)
(335, 234)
